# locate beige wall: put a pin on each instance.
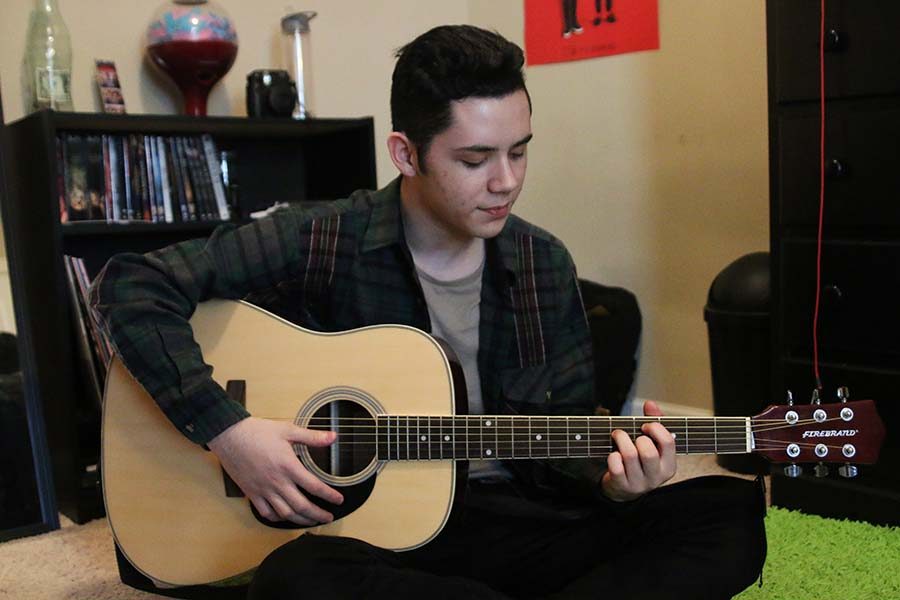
(651, 166)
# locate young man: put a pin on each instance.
(438, 249)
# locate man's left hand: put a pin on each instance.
(641, 465)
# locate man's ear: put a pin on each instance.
(403, 153)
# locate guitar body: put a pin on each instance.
(165, 496)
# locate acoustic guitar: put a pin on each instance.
(397, 400)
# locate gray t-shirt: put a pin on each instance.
(454, 310)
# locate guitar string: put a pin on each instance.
(736, 423)
(592, 452)
(766, 444)
(428, 421)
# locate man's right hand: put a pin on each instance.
(259, 456)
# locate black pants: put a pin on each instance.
(570, 18)
(696, 540)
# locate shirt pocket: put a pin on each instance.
(527, 390)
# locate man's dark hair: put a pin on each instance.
(450, 63)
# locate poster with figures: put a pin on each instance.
(566, 30)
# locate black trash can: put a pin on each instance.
(737, 315)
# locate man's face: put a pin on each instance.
(476, 167)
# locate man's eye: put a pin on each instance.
(472, 164)
(517, 155)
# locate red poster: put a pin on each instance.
(563, 30)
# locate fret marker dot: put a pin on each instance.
(424, 438)
(674, 436)
(537, 437)
(578, 436)
(488, 452)
(488, 423)
(446, 438)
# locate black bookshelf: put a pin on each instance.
(273, 160)
(28, 501)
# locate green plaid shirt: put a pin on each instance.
(341, 266)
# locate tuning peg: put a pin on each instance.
(821, 470)
(815, 398)
(790, 398)
(793, 470)
(843, 394)
(848, 471)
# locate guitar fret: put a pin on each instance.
(468, 448)
(435, 438)
(497, 438)
(378, 438)
(547, 435)
(505, 443)
(530, 453)
(480, 439)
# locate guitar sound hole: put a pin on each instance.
(354, 449)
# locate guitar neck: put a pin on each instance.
(487, 437)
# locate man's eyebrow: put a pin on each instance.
(481, 148)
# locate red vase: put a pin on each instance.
(195, 44)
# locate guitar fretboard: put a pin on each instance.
(486, 437)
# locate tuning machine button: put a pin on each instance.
(821, 470)
(793, 470)
(843, 394)
(848, 471)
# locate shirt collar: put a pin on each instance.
(386, 227)
(385, 222)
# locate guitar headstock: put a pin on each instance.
(844, 432)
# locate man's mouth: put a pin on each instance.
(498, 211)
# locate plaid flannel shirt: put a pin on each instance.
(341, 266)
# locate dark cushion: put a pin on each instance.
(614, 318)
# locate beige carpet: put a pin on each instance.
(77, 562)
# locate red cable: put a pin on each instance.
(821, 196)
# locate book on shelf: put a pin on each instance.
(215, 171)
(96, 186)
(107, 177)
(120, 178)
(75, 177)
(94, 348)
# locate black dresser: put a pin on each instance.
(859, 319)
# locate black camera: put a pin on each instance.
(270, 93)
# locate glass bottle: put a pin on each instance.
(48, 59)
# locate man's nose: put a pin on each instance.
(504, 178)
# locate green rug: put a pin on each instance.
(812, 558)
